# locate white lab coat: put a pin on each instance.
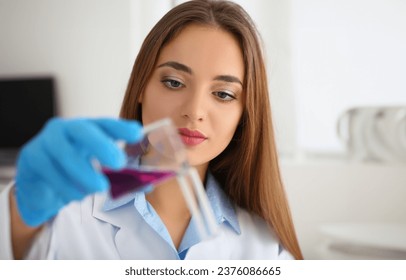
(82, 230)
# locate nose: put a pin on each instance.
(194, 106)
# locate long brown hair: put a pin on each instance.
(248, 168)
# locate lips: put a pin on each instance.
(191, 137)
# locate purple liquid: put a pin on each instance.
(128, 180)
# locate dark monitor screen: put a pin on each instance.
(25, 105)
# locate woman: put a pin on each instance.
(202, 66)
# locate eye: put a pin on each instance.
(224, 96)
(172, 84)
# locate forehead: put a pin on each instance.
(207, 50)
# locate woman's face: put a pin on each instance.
(197, 82)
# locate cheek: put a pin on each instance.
(226, 128)
(229, 131)
(152, 110)
(155, 106)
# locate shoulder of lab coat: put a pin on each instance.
(39, 251)
(82, 230)
(257, 241)
(262, 240)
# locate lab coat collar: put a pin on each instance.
(111, 204)
(223, 209)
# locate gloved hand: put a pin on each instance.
(55, 167)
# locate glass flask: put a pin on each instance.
(160, 156)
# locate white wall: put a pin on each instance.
(85, 45)
(345, 53)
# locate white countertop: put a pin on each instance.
(375, 235)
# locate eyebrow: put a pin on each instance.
(228, 79)
(182, 67)
(177, 66)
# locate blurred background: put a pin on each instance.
(336, 72)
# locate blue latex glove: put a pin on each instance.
(55, 167)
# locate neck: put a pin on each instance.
(202, 170)
(169, 203)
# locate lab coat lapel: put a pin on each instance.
(124, 221)
(117, 218)
(132, 240)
